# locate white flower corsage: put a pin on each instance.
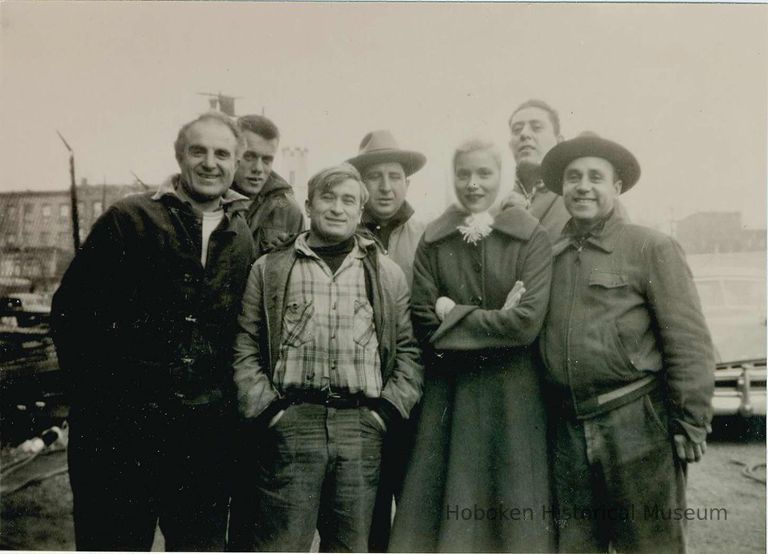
(476, 227)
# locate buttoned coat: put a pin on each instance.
(480, 442)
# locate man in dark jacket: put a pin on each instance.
(629, 360)
(325, 363)
(143, 322)
(274, 216)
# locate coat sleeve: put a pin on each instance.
(255, 391)
(472, 328)
(686, 344)
(282, 221)
(405, 384)
(86, 308)
(425, 292)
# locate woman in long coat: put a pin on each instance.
(478, 478)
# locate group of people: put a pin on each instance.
(523, 374)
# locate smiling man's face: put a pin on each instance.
(590, 189)
(208, 161)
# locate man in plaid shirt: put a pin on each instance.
(325, 361)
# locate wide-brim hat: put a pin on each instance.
(380, 147)
(589, 144)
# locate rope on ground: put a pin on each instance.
(748, 470)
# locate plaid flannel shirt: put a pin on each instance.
(329, 339)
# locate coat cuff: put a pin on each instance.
(693, 432)
(263, 419)
(388, 412)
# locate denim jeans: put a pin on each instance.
(618, 482)
(318, 468)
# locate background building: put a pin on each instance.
(716, 232)
(36, 229)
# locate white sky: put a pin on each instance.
(682, 86)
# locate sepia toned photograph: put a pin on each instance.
(383, 276)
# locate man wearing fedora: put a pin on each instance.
(629, 362)
(388, 217)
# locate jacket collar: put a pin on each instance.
(603, 237)
(401, 216)
(362, 248)
(274, 183)
(514, 222)
(231, 201)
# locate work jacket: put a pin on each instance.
(274, 216)
(257, 344)
(138, 319)
(624, 315)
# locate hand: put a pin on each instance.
(687, 450)
(275, 419)
(515, 199)
(514, 296)
(443, 306)
(380, 421)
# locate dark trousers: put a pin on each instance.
(396, 452)
(129, 472)
(316, 468)
(618, 482)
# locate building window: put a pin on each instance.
(12, 212)
(46, 210)
(81, 209)
(97, 208)
(29, 212)
(63, 211)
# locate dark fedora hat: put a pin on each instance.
(379, 147)
(588, 144)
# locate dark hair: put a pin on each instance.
(536, 103)
(332, 176)
(260, 125)
(213, 115)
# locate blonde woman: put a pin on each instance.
(478, 478)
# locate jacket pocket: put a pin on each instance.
(298, 323)
(608, 280)
(363, 327)
(657, 413)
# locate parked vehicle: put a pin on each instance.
(732, 288)
(25, 309)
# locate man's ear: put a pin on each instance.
(618, 185)
(407, 183)
(560, 138)
(307, 205)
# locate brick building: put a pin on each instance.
(36, 228)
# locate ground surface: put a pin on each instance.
(38, 517)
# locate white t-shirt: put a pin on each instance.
(211, 220)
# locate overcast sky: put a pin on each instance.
(682, 86)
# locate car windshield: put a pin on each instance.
(732, 292)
